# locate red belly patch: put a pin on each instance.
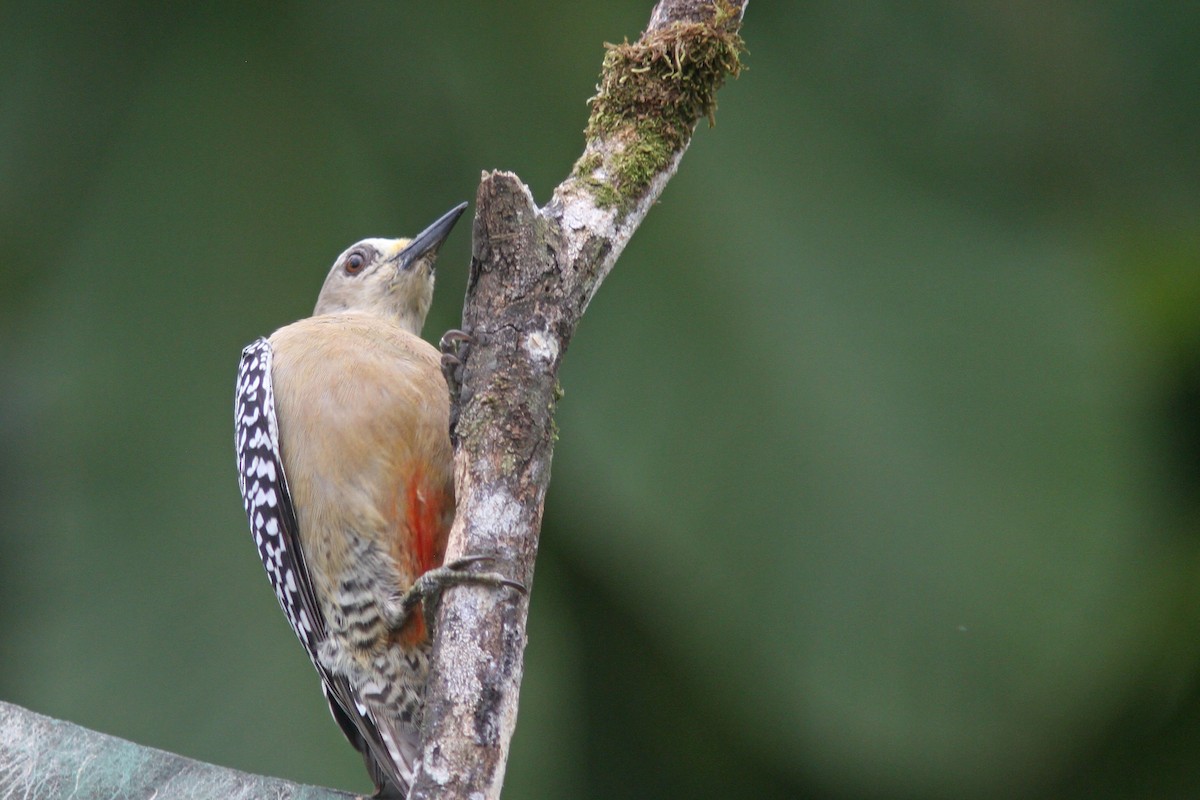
(424, 512)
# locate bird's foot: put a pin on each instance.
(455, 345)
(427, 590)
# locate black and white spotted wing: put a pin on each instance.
(276, 534)
(267, 500)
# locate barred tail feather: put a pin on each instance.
(402, 742)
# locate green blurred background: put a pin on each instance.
(879, 469)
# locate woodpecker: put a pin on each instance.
(345, 468)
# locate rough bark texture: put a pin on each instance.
(533, 273)
(47, 759)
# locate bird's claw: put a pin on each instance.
(459, 567)
(452, 338)
(427, 590)
(455, 345)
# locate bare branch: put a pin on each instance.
(533, 273)
(46, 759)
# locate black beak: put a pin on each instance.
(428, 241)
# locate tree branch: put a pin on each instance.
(533, 273)
(46, 759)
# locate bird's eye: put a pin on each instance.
(354, 263)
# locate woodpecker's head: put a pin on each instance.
(389, 277)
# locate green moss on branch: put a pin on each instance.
(651, 95)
